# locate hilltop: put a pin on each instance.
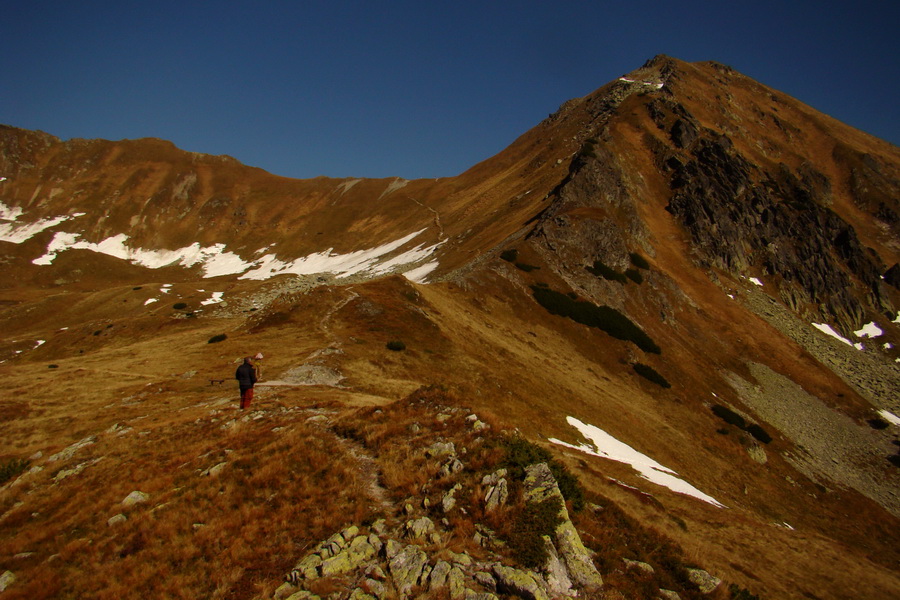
(681, 287)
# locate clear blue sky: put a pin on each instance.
(410, 89)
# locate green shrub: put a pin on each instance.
(759, 433)
(639, 261)
(11, 468)
(729, 416)
(601, 270)
(52, 366)
(605, 318)
(635, 276)
(396, 345)
(521, 453)
(179, 305)
(530, 523)
(650, 374)
(526, 268)
(738, 593)
(509, 255)
(217, 338)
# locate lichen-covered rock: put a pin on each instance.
(470, 595)
(359, 594)
(485, 580)
(438, 577)
(6, 580)
(308, 568)
(439, 449)
(520, 583)
(420, 527)
(703, 580)
(285, 590)
(638, 565)
(449, 499)
(406, 569)
(303, 595)
(375, 588)
(351, 558)
(135, 497)
(496, 496)
(392, 548)
(555, 570)
(668, 594)
(540, 485)
(456, 583)
(115, 520)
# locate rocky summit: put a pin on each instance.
(649, 350)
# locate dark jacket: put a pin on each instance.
(246, 375)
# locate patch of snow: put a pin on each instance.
(39, 343)
(897, 320)
(869, 330)
(393, 186)
(888, 346)
(606, 446)
(730, 296)
(419, 274)
(827, 330)
(151, 301)
(9, 232)
(342, 265)
(626, 80)
(890, 417)
(756, 281)
(9, 214)
(2, 179)
(166, 288)
(216, 298)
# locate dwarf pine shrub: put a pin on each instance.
(530, 523)
(606, 272)
(635, 276)
(179, 305)
(396, 345)
(11, 468)
(604, 318)
(217, 338)
(521, 453)
(509, 255)
(650, 374)
(639, 261)
(526, 267)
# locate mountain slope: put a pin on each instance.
(648, 261)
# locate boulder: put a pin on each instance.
(6, 580)
(115, 520)
(540, 485)
(438, 577)
(440, 449)
(418, 528)
(555, 570)
(519, 583)
(485, 580)
(456, 582)
(496, 496)
(135, 497)
(449, 499)
(703, 580)
(406, 569)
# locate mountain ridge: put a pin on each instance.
(664, 229)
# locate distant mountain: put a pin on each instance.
(683, 285)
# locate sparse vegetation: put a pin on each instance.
(732, 418)
(509, 255)
(530, 522)
(639, 261)
(650, 374)
(604, 318)
(217, 338)
(396, 345)
(11, 468)
(606, 272)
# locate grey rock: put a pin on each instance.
(420, 527)
(494, 477)
(449, 499)
(115, 520)
(540, 485)
(456, 583)
(520, 583)
(392, 548)
(470, 595)
(555, 570)
(668, 594)
(359, 594)
(284, 590)
(375, 588)
(485, 580)
(135, 497)
(638, 565)
(438, 577)
(406, 569)
(496, 496)
(215, 470)
(6, 580)
(67, 453)
(439, 449)
(703, 580)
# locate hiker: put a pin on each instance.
(246, 376)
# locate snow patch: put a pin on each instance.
(756, 281)
(827, 330)
(604, 445)
(420, 274)
(151, 301)
(216, 298)
(890, 417)
(869, 330)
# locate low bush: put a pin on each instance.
(521, 453)
(635, 276)
(759, 433)
(217, 338)
(525, 267)
(650, 374)
(11, 468)
(601, 270)
(738, 593)
(729, 416)
(179, 305)
(509, 255)
(894, 459)
(396, 345)
(605, 318)
(52, 366)
(530, 522)
(878, 423)
(639, 261)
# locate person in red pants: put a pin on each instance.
(246, 376)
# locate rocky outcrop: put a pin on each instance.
(540, 485)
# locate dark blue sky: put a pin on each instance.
(410, 89)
